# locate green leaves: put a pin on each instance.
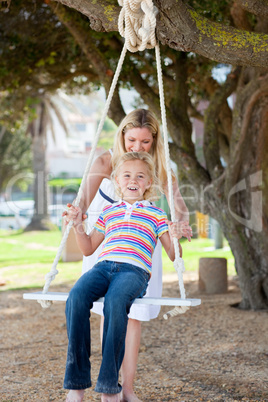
(51, 59)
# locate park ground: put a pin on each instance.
(214, 352)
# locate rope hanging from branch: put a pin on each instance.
(53, 272)
(136, 23)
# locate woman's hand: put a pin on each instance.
(68, 215)
(180, 229)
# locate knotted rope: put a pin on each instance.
(136, 23)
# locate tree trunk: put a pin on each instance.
(241, 206)
(252, 268)
(40, 219)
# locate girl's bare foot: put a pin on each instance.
(75, 395)
(110, 397)
(129, 397)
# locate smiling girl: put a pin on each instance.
(129, 230)
(139, 131)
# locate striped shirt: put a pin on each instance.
(131, 232)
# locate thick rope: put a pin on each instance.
(178, 263)
(136, 23)
(53, 272)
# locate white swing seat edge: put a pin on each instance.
(159, 301)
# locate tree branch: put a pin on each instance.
(195, 173)
(243, 110)
(180, 27)
(240, 16)
(179, 104)
(95, 57)
(211, 136)
(194, 113)
(102, 14)
(259, 7)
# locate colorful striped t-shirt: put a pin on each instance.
(131, 232)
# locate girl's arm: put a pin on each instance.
(168, 245)
(87, 243)
(100, 169)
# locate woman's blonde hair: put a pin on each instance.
(141, 118)
(152, 193)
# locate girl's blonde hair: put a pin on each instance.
(152, 193)
(141, 118)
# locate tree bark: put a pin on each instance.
(181, 28)
(241, 207)
(259, 7)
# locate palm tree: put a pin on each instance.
(38, 129)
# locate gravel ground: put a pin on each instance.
(214, 352)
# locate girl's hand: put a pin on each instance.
(68, 214)
(180, 229)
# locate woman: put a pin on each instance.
(139, 131)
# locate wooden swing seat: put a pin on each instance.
(159, 301)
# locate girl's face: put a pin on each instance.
(138, 140)
(133, 180)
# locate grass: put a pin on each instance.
(25, 258)
(201, 248)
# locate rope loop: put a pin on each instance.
(136, 23)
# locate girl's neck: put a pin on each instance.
(131, 200)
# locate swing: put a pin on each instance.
(137, 21)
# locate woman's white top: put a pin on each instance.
(138, 311)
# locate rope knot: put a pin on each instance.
(179, 265)
(136, 23)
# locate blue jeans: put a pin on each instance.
(120, 283)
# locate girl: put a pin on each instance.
(129, 229)
(139, 131)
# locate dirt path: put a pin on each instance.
(212, 353)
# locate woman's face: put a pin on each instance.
(138, 140)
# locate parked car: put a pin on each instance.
(17, 215)
(9, 213)
(54, 211)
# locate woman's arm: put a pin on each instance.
(181, 210)
(100, 169)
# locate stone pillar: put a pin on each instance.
(213, 275)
